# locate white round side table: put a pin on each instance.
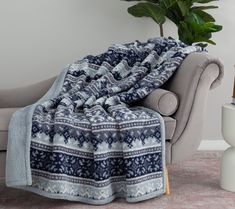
(227, 170)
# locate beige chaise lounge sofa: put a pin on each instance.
(198, 73)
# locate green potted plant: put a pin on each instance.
(194, 24)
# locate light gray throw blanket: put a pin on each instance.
(85, 140)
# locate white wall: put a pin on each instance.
(225, 51)
(38, 38)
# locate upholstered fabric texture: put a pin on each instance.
(196, 76)
(163, 101)
(5, 116)
(21, 97)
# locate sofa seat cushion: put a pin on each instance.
(6, 113)
(5, 117)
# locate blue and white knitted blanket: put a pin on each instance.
(85, 140)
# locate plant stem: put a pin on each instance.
(161, 30)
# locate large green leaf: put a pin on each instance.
(193, 17)
(152, 1)
(194, 24)
(211, 27)
(148, 10)
(199, 17)
(203, 39)
(203, 16)
(207, 27)
(192, 32)
(203, 1)
(184, 6)
(167, 4)
(172, 10)
(185, 33)
(204, 7)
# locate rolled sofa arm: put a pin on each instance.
(198, 73)
(23, 96)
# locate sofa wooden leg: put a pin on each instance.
(167, 182)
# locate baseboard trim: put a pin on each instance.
(213, 145)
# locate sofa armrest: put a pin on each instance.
(23, 96)
(198, 73)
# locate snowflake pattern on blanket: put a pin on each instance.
(91, 143)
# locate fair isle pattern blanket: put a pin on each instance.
(85, 140)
